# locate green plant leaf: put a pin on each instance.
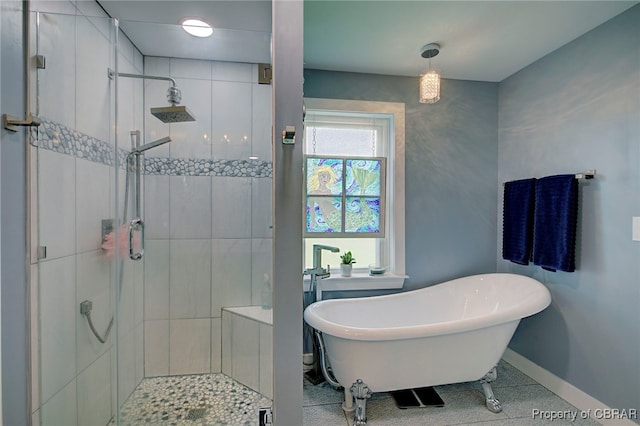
(347, 258)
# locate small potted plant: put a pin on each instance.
(346, 263)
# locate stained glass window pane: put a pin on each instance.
(324, 214)
(345, 196)
(324, 176)
(363, 177)
(362, 214)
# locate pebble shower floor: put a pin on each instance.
(203, 399)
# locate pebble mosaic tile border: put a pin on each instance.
(59, 138)
(198, 167)
(203, 399)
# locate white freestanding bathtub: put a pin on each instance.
(452, 332)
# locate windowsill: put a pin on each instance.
(358, 281)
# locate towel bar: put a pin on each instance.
(587, 174)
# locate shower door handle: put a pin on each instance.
(136, 224)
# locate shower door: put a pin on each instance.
(87, 298)
(188, 308)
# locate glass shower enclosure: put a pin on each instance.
(153, 235)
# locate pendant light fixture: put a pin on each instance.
(430, 82)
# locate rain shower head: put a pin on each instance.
(173, 114)
(170, 114)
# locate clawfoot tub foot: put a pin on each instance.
(361, 393)
(491, 401)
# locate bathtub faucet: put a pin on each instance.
(317, 271)
(315, 376)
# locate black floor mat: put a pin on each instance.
(417, 398)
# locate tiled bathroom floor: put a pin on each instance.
(203, 399)
(464, 405)
(216, 399)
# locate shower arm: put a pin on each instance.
(142, 76)
(173, 94)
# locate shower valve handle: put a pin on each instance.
(136, 224)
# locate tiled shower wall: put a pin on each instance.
(207, 209)
(73, 372)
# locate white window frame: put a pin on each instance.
(395, 177)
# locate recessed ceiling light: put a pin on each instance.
(197, 27)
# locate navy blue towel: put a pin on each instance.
(555, 223)
(517, 220)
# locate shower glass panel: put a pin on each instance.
(74, 191)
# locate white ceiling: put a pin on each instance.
(242, 28)
(480, 40)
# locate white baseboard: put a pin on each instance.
(574, 396)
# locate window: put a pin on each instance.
(345, 196)
(338, 134)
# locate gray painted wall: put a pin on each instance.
(579, 108)
(451, 169)
(13, 169)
